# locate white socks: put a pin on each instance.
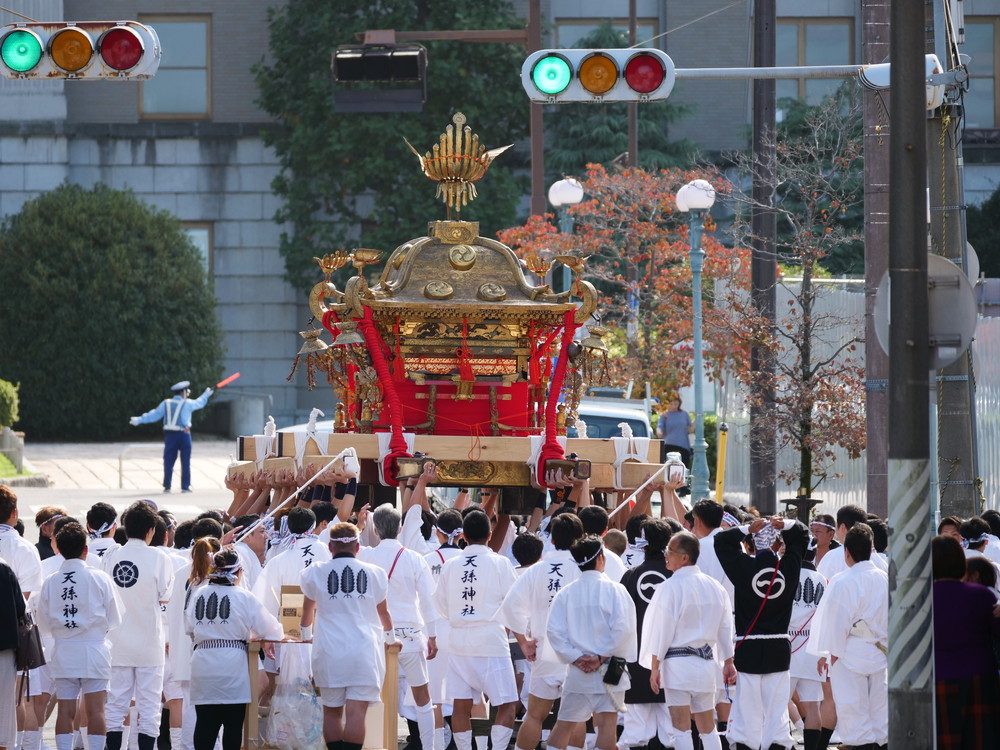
(500, 735)
(176, 738)
(463, 740)
(96, 741)
(482, 742)
(31, 740)
(425, 723)
(64, 741)
(711, 741)
(683, 740)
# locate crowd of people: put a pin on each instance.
(710, 627)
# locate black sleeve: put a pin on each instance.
(730, 553)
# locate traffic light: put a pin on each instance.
(380, 78)
(597, 75)
(84, 50)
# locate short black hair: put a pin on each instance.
(203, 527)
(101, 514)
(245, 521)
(427, 521)
(324, 511)
(71, 539)
(880, 533)
(139, 519)
(182, 534)
(992, 517)
(587, 548)
(634, 526)
(859, 541)
(848, 515)
(449, 520)
(972, 529)
(594, 519)
(476, 527)
(658, 533)
(216, 514)
(708, 512)
(947, 558)
(565, 529)
(984, 570)
(949, 521)
(8, 503)
(160, 533)
(527, 549)
(60, 522)
(300, 520)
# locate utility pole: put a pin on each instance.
(874, 50)
(911, 654)
(763, 261)
(957, 459)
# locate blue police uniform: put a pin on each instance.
(176, 415)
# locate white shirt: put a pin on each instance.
(411, 585)
(98, 548)
(633, 557)
(144, 577)
(708, 563)
(854, 616)
(834, 562)
(470, 590)
(51, 564)
(251, 565)
(77, 606)
(410, 536)
(348, 648)
(525, 609)
(22, 557)
(592, 616)
(181, 647)
(811, 589)
(688, 609)
(614, 568)
(286, 568)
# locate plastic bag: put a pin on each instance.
(296, 718)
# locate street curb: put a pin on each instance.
(35, 480)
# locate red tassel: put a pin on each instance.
(464, 355)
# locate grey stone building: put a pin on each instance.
(188, 141)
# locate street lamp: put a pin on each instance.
(563, 194)
(697, 198)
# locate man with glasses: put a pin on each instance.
(686, 634)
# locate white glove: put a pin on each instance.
(209, 391)
(134, 421)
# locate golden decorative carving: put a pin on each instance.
(363, 256)
(454, 232)
(462, 257)
(473, 472)
(456, 162)
(332, 261)
(438, 290)
(492, 292)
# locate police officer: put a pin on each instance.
(176, 415)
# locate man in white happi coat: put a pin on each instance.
(144, 578)
(414, 616)
(853, 629)
(525, 611)
(346, 604)
(102, 522)
(251, 548)
(686, 633)
(78, 605)
(470, 590)
(834, 561)
(591, 628)
(286, 568)
(20, 554)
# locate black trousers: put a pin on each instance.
(215, 716)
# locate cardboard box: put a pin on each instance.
(292, 602)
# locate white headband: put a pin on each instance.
(730, 519)
(105, 528)
(824, 525)
(641, 540)
(978, 540)
(343, 539)
(452, 535)
(591, 558)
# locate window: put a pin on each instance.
(569, 32)
(181, 88)
(813, 41)
(200, 234)
(981, 45)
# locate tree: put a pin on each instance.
(580, 134)
(984, 234)
(349, 178)
(637, 247)
(105, 303)
(818, 373)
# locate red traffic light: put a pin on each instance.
(644, 73)
(121, 48)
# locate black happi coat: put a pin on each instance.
(751, 577)
(641, 582)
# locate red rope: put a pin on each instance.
(464, 355)
(398, 364)
(552, 449)
(330, 321)
(397, 444)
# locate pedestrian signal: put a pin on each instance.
(85, 50)
(597, 75)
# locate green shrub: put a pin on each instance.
(105, 303)
(9, 403)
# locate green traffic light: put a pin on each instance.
(551, 75)
(20, 51)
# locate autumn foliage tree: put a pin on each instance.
(818, 367)
(636, 244)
